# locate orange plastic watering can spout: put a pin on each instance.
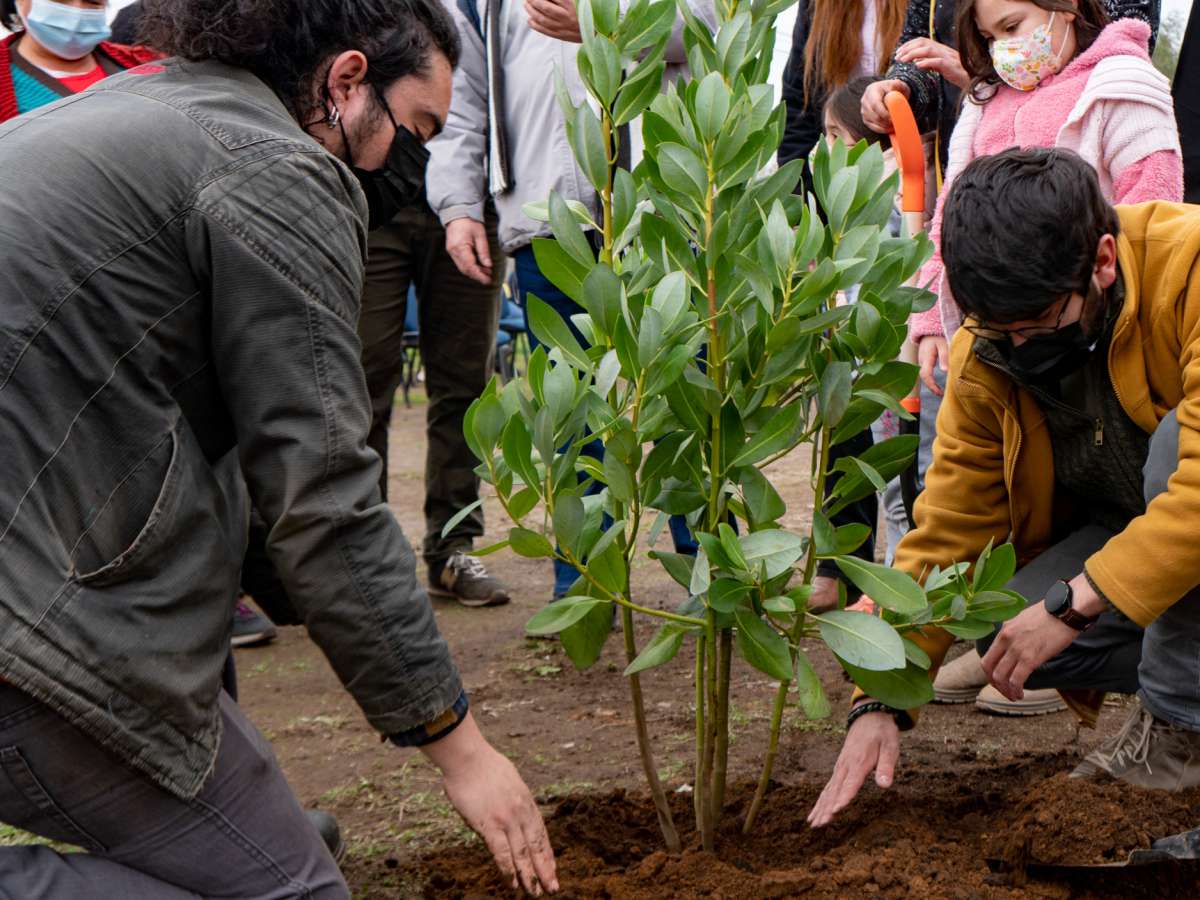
(910, 153)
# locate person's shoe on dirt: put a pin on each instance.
(331, 833)
(1146, 752)
(960, 680)
(250, 627)
(465, 579)
(1034, 703)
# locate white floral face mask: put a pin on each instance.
(1023, 62)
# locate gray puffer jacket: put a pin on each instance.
(180, 275)
(540, 159)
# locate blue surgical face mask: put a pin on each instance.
(68, 32)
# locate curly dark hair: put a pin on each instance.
(1090, 19)
(290, 44)
(1005, 204)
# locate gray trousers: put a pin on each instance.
(244, 836)
(458, 319)
(1160, 663)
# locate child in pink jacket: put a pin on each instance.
(1045, 78)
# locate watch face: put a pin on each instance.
(1058, 598)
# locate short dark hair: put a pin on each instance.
(845, 105)
(1090, 18)
(290, 44)
(1020, 231)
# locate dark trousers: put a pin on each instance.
(1161, 662)
(244, 835)
(458, 319)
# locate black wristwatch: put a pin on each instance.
(1058, 604)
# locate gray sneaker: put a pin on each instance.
(464, 578)
(1146, 752)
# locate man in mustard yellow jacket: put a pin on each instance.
(1070, 426)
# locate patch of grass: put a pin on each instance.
(563, 789)
(15, 837)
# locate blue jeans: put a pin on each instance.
(530, 280)
(1161, 662)
(244, 834)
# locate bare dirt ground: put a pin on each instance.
(963, 773)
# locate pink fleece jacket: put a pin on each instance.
(1108, 104)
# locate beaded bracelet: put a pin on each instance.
(871, 706)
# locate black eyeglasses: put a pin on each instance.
(1029, 332)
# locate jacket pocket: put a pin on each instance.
(42, 815)
(127, 502)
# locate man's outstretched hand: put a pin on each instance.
(489, 794)
(872, 744)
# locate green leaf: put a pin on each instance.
(712, 105)
(994, 573)
(488, 422)
(970, 629)
(619, 478)
(670, 298)
(584, 641)
(518, 450)
(567, 231)
(554, 617)
(780, 237)
(775, 548)
(605, 60)
(842, 187)
(661, 649)
(700, 575)
(890, 588)
(779, 433)
(682, 170)
(568, 520)
(650, 332)
(529, 543)
(609, 568)
(762, 500)
(995, 606)
(605, 15)
(522, 502)
(905, 688)
(862, 639)
(678, 498)
(729, 543)
(460, 515)
(651, 25)
(834, 395)
(559, 268)
(551, 329)
(781, 604)
(491, 548)
(812, 693)
(678, 566)
(916, 655)
(588, 143)
(762, 646)
(726, 594)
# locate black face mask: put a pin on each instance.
(401, 181)
(1051, 356)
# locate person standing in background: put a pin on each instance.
(58, 48)
(511, 148)
(456, 274)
